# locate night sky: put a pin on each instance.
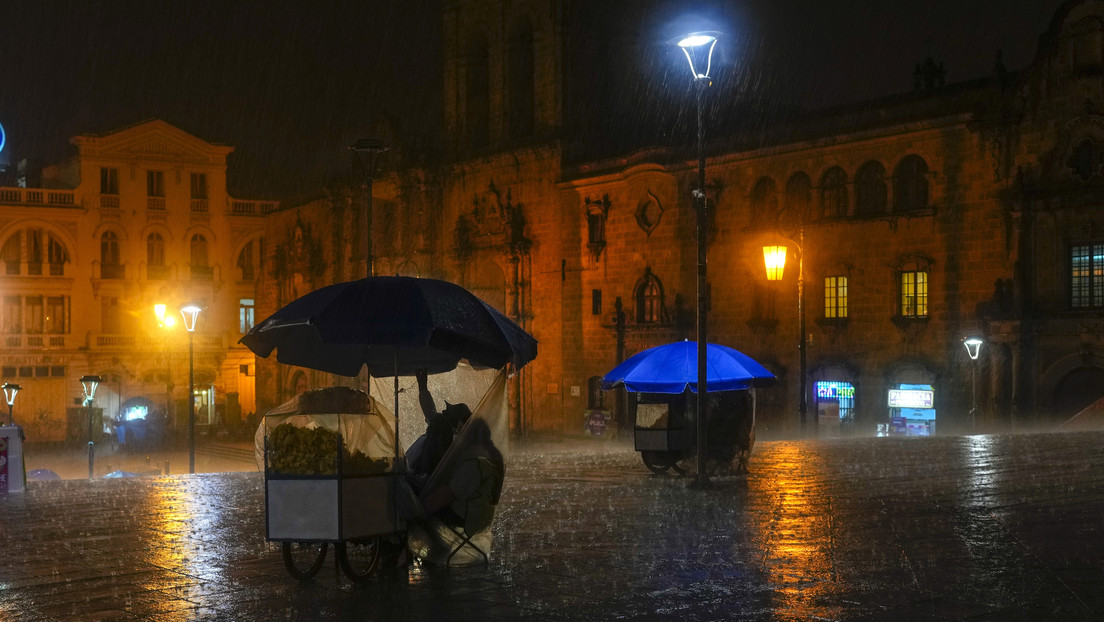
(291, 84)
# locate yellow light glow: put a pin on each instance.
(159, 311)
(774, 257)
(170, 321)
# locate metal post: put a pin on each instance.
(973, 397)
(368, 239)
(703, 389)
(91, 445)
(11, 417)
(802, 403)
(191, 402)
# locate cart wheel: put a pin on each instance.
(304, 559)
(658, 461)
(358, 558)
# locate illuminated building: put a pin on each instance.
(139, 216)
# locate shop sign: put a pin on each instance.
(911, 398)
(595, 422)
(834, 391)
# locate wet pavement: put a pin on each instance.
(1007, 527)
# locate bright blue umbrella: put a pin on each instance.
(673, 368)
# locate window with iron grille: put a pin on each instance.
(1087, 276)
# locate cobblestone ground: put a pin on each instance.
(949, 528)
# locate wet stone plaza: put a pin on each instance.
(1006, 527)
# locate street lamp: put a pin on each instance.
(774, 258)
(9, 394)
(191, 314)
(367, 152)
(973, 349)
(89, 383)
(698, 48)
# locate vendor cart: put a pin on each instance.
(332, 469)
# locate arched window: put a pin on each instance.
(56, 255)
(764, 202)
(12, 253)
(155, 257)
(199, 265)
(26, 248)
(478, 83)
(109, 256)
(833, 193)
(870, 190)
(798, 198)
(910, 185)
(520, 85)
(649, 300)
(247, 260)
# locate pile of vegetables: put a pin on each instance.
(294, 450)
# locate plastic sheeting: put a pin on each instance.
(364, 424)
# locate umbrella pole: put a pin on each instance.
(396, 406)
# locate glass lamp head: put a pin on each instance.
(973, 346)
(191, 314)
(698, 48)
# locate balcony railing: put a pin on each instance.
(155, 203)
(116, 341)
(203, 273)
(15, 268)
(36, 341)
(112, 271)
(37, 196)
(157, 273)
(252, 208)
(199, 205)
(109, 201)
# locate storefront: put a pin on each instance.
(835, 408)
(911, 411)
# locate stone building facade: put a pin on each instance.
(139, 216)
(967, 209)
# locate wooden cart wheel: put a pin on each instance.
(304, 559)
(358, 558)
(659, 461)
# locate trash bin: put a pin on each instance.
(12, 476)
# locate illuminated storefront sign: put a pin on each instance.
(834, 391)
(911, 398)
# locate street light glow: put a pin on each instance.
(973, 346)
(698, 48)
(774, 257)
(190, 313)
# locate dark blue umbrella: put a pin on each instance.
(673, 368)
(393, 324)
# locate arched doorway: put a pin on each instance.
(1076, 391)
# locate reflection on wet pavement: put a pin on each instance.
(979, 527)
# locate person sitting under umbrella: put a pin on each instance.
(441, 427)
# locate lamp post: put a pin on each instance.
(774, 258)
(698, 48)
(89, 383)
(191, 314)
(973, 349)
(367, 152)
(10, 390)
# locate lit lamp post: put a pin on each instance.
(90, 383)
(191, 314)
(698, 48)
(774, 257)
(973, 348)
(367, 152)
(9, 394)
